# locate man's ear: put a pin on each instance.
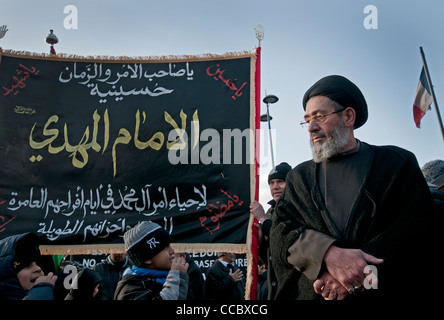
(350, 117)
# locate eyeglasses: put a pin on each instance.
(318, 119)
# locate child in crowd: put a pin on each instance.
(156, 274)
(21, 277)
(85, 286)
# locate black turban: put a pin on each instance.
(344, 92)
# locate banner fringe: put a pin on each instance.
(251, 278)
(137, 59)
(119, 248)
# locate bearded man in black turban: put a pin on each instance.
(357, 221)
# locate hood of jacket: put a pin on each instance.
(10, 287)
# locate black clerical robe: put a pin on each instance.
(340, 180)
(393, 217)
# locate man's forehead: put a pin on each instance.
(318, 104)
(276, 180)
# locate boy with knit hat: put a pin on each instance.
(156, 274)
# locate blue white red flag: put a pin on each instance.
(423, 99)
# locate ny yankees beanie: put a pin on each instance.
(144, 241)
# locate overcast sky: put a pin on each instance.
(304, 40)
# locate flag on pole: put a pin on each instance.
(423, 99)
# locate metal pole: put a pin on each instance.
(432, 91)
(269, 134)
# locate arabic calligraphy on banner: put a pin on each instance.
(95, 74)
(90, 148)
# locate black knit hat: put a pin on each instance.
(26, 251)
(344, 92)
(279, 172)
(144, 241)
(84, 284)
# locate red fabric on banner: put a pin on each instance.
(254, 231)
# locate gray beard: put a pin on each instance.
(332, 145)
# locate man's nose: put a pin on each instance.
(313, 127)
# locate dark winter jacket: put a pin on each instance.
(219, 285)
(10, 288)
(195, 280)
(264, 253)
(136, 286)
(393, 218)
(84, 285)
(438, 196)
(111, 274)
(262, 286)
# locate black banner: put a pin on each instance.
(91, 147)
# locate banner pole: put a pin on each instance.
(429, 81)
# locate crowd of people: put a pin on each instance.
(358, 221)
(149, 270)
